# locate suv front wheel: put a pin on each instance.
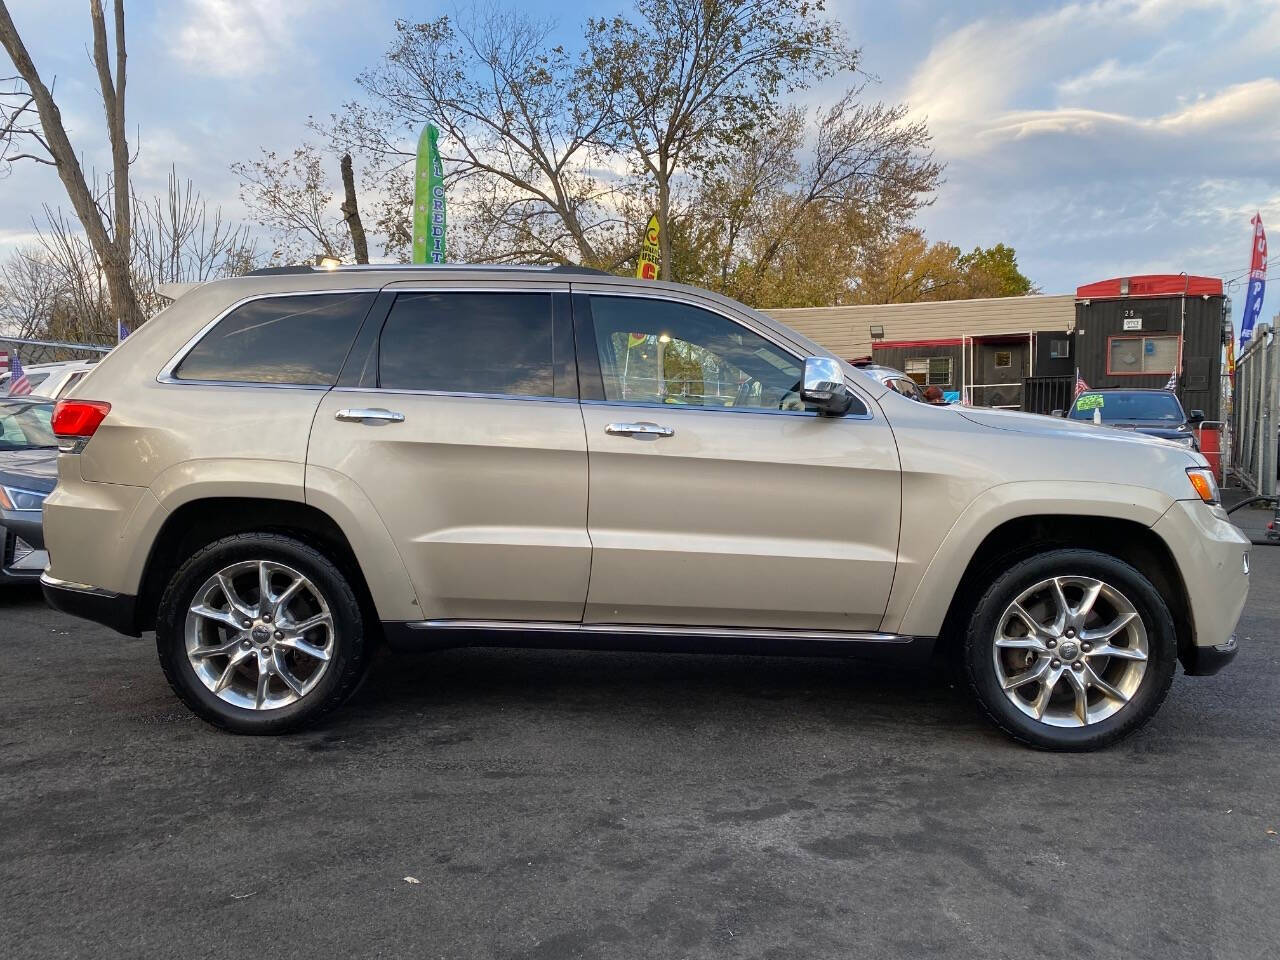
(1070, 650)
(261, 633)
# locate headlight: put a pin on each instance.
(12, 498)
(1188, 441)
(1202, 480)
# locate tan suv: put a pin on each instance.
(284, 470)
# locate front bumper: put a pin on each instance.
(115, 610)
(1212, 556)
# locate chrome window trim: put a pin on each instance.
(448, 393)
(166, 373)
(788, 348)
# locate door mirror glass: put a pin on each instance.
(823, 386)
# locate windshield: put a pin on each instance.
(1128, 407)
(25, 426)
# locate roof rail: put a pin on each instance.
(279, 271)
(574, 268)
(307, 269)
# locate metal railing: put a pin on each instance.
(1255, 413)
(1047, 394)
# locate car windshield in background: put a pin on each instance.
(1128, 407)
(24, 425)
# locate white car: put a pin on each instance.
(51, 380)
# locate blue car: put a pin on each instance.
(28, 472)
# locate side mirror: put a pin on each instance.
(1059, 413)
(823, 386)
(1197, 416)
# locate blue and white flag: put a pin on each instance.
(1257, 283)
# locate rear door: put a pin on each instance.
(716, 498)
(458, 419)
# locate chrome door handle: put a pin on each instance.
(642, 429)
(369, 415)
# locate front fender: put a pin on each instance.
(926, 579)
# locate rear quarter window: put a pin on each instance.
(299, 339)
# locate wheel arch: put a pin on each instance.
(199, 522)
(1025, 536)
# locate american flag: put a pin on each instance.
(1081, 386)
(19, 385)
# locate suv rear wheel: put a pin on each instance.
(261, 633)
(1070, 650)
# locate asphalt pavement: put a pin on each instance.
(492, 803)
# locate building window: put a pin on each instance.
(1004, 359)
(930, 371)
(1134, 356)
(1059, 349)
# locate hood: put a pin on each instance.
(35, 470)
(1039, 425)
(1154, 429)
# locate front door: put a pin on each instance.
(463, 430)
(1001, 368)
(716, 498)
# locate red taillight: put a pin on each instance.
(78, 419)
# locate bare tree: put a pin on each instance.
(179, 239)
(30, 288)
(292, 198)
(106, 220)
(56, 288)
(700, 76)
(523, 143)
(83, 311)
(351, 211)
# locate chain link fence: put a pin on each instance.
(35, 352)
(1255, 415)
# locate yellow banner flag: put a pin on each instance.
(647, 268)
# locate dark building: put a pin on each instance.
(1137, 332)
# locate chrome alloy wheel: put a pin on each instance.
(259, 635)
(1070, 651)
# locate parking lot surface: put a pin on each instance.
(558, 805)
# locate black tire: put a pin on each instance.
(348, 662)
(979, 641)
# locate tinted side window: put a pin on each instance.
(288, 339)
(495, 343)
(657, 351)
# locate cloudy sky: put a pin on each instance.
(1099, 139)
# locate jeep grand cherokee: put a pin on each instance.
(281, 471)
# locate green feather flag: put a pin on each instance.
(428, 200)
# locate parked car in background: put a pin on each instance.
(1156, 413)
(895, 380)
(28, 472)
(299, 465)
(51, 380)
